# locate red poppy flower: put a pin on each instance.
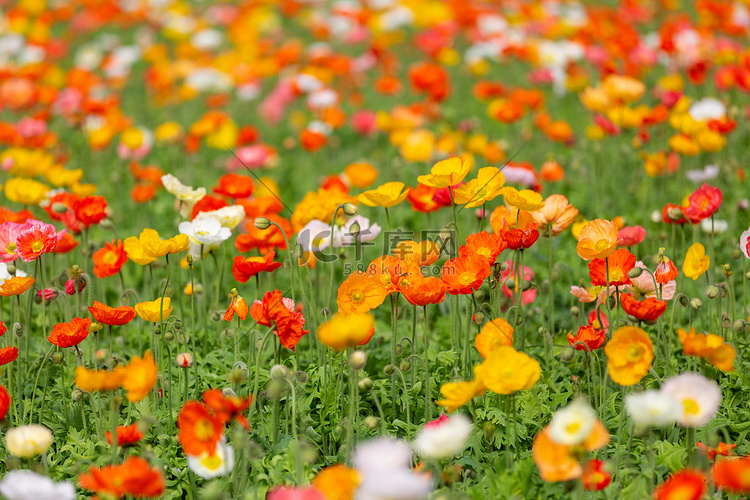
(3, 328)
(90, 210)
(134, 477)
(665, 271)
(521, 239)
(109, 260)
(65, 244)
(676, 211)
(200, 429)
(4, 402)
(70, 334)
(228, 407)
(687, 484)
(36, 240)
(703, 203)
(207, 204)
(235, 186)
(8, 354)
(595, 478)
(645, 310)
(114, 316)
(630, 236)
(587, 338)
(245, 268)
(422, 199)
(723, 449)
(237, 305)
(277, 310)
(732, 474)
(126, 435)
(620, 263)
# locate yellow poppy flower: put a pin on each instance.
(457, 394)
(446, 173)
(709, 346)
(528, 200)
(696, 261)
(506, 371)
(346, 330)
(134, 246)
(387, 195)
(486, 187)
(26, 191)
(140, 376)
(173, 245)
(151, 310)
(597, 239)
(495, 333)
(629, 355)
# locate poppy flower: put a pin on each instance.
(446, 173)
(696, 261)
(429, 290)
(170, 246)
(673, 214)
(280, 311)
(90, 210)
(15, 286)
(648, 309)
(486, 187)
(114, 316)
(8, 354)
(70, 334)
(134, 246)
(387, 195)
(423, 253)
(703, 203)
(422, 199)
(631, 236)
(337, 482)
(126, 435)
(35, 241)
(228, 407)
(595, 477)
(587, 338)
(723, 449)
(559, 462)
(207, 204)
(521, 239)
(200, 428)
(629, 355)
(99, 380)
(4, 402)
(506, 371)
(140, 377)
(457, 394)
(709, 346)
(494, 334)
(134, 477)
(597, 240)
(244, 268)
(620, 264)
(65, 244)
(688, 484)
(109, 260)
(555, 216)
(154, 311)
(237, 305)
(235, 186)
(359, 293)
(527, 200)
(665, 271)
(463, 275)
(343, 331)
(732, 474)
(484, 244)
(264, 311)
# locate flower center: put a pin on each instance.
(204, 429)
(602, 245)
(484, 252)
(357, 296)
(690, 406)
(635, 353)
(466, 278)
(37, 246)
(572, 427)
(212, 462)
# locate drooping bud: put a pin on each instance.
(184, 360)
(635, 272)
(357, 360)
(262, 223)
(279, 371)
(739, 325)
(695, 304)
(712, 291)
(350, 209)
(568, 354)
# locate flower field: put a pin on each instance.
(374, 249)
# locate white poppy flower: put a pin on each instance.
(382, 455)
(652, 409)
(315, 236)
(700, 176)
(699, 397)
(27, 485)
(28, 441)
(229, 217)
(744, 240)
(708, 108)
(445, 437)
(208, 466)
(402, 484)
(571, 425)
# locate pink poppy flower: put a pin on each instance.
(630, 236)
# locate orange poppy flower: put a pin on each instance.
(708, 346)
(423, 291)
(266, 310)
(665, 271)
(65, 244)
(4, 402)
(126, 435)
(279, 310)
(557, 462)
(70, 334)
(133, 477)
(645, 310)
(620, 263)
(15, 286)
(723, 449)
(587, 338)
(597, 239)
(337, 482)
(245, 268)
(312, 140)
(140, 377)
(387, 269)
(228, 408)
(556, 215)
(90, 210)
(99, 380)
(114, 316)
(235, 186)
(200, 429)
(237, 305)
(207, 204)
(8, 354)
(465, 275)
(359, 293)
(422, 199)
(495, 333)
(687, 484)
(732, 474)
(109, 260)
(484, 244)
(423, 253)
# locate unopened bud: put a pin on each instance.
(611, 301)
(726, 323)
(405, 365)
(568, 354)
(302, 377)
(683, 300)
(635, 272)
(674, 214)
(510, 283)
(262, 223)
(504, 266)
(106, 224)
(372, 422)
(365, 384)
(189, 259)
(354, 230)
(526, 285)
(357, 360)
(389, 370)
(184, 360)
(11, 269)
(480, 294)
(59, 208)
(712, 291)
(215, 316)
(736, 254)
(297, 251)
(279, 371)
(95, 327)
(350, 209)
(57, 357)
(76, 394)
(18, 330)
(479, 318)
(738, 325)
(325, 312)
(575, 310)
(695, 304)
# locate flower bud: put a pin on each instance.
(365, 384)
(325, 312)
(157, 329)
(279, 371)
(683, 300)
(216, 316)
(76, 394)
(297, 251)
(635, 272)
(389, 370)
(350, 209)
(738, 325)
(106, 224)
(480, 294)
(736, 254)
(189, 259)
(575, 310)
(95, 327)
(184, 360)
(18, 330)
(612, 302)
(479, 318)
(57, 357)
(302, 377)
(674, 214)
(504, 266)
(357, 360)
(568, 354)
(262, 223)
(59, 208)
(355, 229)
(405, 365)
(11, 269)
(695, 304)
(372, 422)
(526, 285)
(510, 283)
(712, 291)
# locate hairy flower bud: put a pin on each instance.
(357, 360)
(262, 223)
(350, 209)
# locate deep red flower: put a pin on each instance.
(703, 203)
(521, 239)
(645, 310)
(595, 478)
(207, 204)
(587, 338)
(8, 354)
(70, 334)
(245, 268)
(235, 186)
